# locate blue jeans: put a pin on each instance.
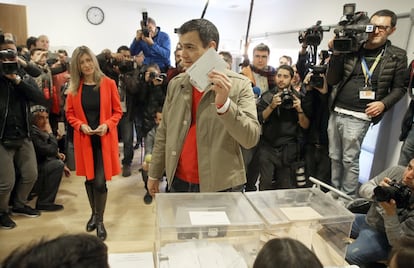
(345, 134)
(370, 245)
(407, 149)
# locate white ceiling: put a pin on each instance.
(235, 5)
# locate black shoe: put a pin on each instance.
(147, 198)
(126, 170)
(26, 211)
(49, 207)
(100, 231)
(6, 222)
(136, 147)
(91, 225)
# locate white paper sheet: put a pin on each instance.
(200, 69)
(131, 260)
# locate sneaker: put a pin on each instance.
(49, 207)
(126, 170)
(147, 198)
(26, 211)
(6, 222)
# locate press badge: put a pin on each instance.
(366, 93)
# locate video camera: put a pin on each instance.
(399, 192)
(8, 61)
(124, 66)
(317, 80)
(352, 30)
(313, 35)
(144, 24)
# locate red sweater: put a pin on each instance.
(187, 168)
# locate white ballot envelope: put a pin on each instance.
(200, 69)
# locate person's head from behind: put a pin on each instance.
(70, 251)
(261, 54)
(196, 37)
(402, 255)
(286, 253)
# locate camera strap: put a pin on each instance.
(410, 84)
(368, 72)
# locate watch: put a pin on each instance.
(95, 15)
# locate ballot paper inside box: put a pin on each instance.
(207, 224)
(308, 215)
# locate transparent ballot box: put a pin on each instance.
(206, 230)
(308, 215)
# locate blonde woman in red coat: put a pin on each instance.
(94, 110)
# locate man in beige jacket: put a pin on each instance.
(198, 141)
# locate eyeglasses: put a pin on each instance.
(382, 28)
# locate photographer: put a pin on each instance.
(386, 221)
(16, 149)
(155, 44)
(366, 83)
(281, 115)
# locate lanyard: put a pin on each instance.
(368, 73)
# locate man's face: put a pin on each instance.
(408, 176)
(283, 78)
(260, 59)
(126, 54)
(158, 118)
(283, 61)
(43, 43)
(382, 31)
(39, 56)
(148, 73)
(42, 119)
(152, 28)
(192, 48)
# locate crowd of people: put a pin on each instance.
(264, 126)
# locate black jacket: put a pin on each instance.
(25, 93)
(391, 81)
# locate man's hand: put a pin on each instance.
(153, 186)
(297, 104)
(148, 40)
(221, 84)
(389, 207)
(375, 108)
(276, 100)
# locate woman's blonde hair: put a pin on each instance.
(75, 72)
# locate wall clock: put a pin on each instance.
(95, 15)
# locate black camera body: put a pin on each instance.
(316, 79)
(144, 24)
(287, 98)
(399, 192)
(159, 77)
(8, 63)
(352, 30)
(313, 35)
(124, 66)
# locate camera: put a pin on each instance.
(399, 192)
(352, 30)
(124, 66)
(316, 79)
(313, 35)
(144, 24)
(8, 63)
(160, 77)
(287, 98)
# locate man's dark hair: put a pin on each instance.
(386, 13)
(31, 41)
(122, 48)
(70, 251)
(262, 47)
(286, 67)
(206, 30)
